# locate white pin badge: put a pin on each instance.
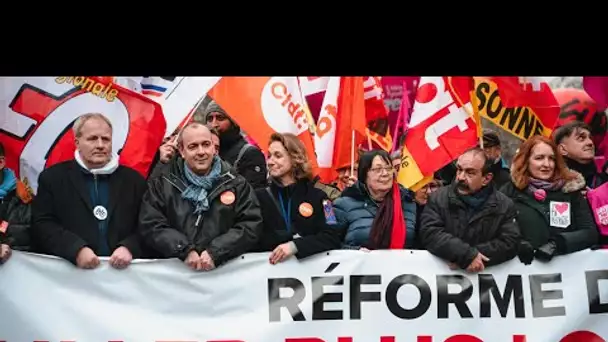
(100, 212)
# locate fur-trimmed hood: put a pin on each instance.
(576, 184)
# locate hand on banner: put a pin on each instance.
(206, 261)
(281, 253)
(478, 263)
(121, 258)
(5, 253)
(547, 251)
(363, 249)
(86, 259)
(194, 261)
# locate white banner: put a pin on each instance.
(341, 296)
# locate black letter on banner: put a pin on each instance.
(393, 304)
(513, 288)
(357, 297)
(512, 114)
(538, 295)
(275, 302)
(493, 113)
(593, 291)
(527, 122)
(482, 89)
(444, 298)
(320, 298)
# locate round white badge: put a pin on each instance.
(100, 212)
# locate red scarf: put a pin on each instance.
(398, 234)
(388, 228)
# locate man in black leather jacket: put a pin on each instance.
(199, 210)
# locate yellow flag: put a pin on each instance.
(409, 172)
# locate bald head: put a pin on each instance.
(192, 126)
(196, 146)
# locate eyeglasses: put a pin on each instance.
(378, 170)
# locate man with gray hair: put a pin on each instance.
(87, 207)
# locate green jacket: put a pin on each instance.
(534, 217)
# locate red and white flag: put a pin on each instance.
(36, 115)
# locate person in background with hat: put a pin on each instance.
(421, 197)
(500, 170)
(87, 207)
(299, 219)
(247, 159)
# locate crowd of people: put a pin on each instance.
(212, 196)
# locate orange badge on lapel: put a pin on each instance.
(306, 209)
(227, 197)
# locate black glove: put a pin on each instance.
(547, 251)
(525, 252)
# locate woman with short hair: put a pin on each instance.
(377, 212)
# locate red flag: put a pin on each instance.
(524, 91)
(531, 96)
(350, 117)
(40, 111)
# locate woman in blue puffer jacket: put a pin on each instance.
(369, 209)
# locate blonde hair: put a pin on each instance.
(301, 165)
(77, 127)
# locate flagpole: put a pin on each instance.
(352, 153)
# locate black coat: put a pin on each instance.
(62, 214)
(533, 217)
(252, 165)
(502, 174)
(168, 225)
(18, 216)
(315, 234)
(492, 230)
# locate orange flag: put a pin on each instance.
(350, 118)
(264, 105)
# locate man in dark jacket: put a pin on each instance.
(499, 169)
(574, 142)
(200, 211)
(88, 207)
(469, 223)
(248, 160)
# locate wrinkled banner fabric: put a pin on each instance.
(341, 296)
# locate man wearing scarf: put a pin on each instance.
(469, 223)
(199, 210)
(575, 143)
(87, 207)
(248, 160)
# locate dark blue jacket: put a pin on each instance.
(356, 211)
